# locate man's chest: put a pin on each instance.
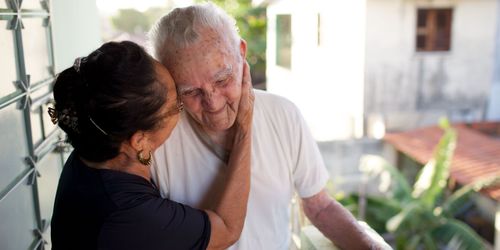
(198, 178)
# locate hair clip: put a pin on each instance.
(67, 117)
(78, 63)
(53, 115)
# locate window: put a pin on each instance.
(28, 163)
(318, 24)
(433, 29)
(284, 40)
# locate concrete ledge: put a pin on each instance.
(312, 239)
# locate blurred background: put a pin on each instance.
(371, 77)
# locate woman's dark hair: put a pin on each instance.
(106, 97)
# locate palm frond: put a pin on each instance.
(434, 176)
(459, 198)
(429, 242)
(406, 218)
(379, 211)
(374, 165)
(414, 242)
(452, 230)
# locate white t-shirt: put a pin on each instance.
(285, 159)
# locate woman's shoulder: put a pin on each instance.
(158, 223)
(127, 190)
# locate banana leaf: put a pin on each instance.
(453, 230)
(378, 210)
(406, 219)
(374, 165)
(429, 242)
(434, 176)
(459, 198)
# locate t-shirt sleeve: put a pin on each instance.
(157, 224)
(309, 173)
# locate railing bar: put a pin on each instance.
(12, 98)
(47, 145)
(16, 183)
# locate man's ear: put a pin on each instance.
(243, 48)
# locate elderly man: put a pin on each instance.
(201, 47)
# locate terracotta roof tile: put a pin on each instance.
(477, 154)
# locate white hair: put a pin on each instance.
(182, 27)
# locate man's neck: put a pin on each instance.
(222, 138)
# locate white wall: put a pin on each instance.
(414, 87)
(325, 82)
(494, 101)
(75, 29)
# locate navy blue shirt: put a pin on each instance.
(106, 209)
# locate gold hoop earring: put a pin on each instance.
(142, 160)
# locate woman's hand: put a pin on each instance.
(245, 109)
(228, 217)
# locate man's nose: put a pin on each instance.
(209, 98)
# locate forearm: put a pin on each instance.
(228, 215)
(233, 202)
(337, 223)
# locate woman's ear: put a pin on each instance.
(138, 141)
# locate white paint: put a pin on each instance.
(75, 29)
(454, 83)
(325, 82)
(112, 6)
(367, 64)
(494, 104)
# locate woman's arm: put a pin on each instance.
(228, 216)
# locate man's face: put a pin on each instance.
(208, 76)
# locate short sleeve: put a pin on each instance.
(309, 173)
(156, 223)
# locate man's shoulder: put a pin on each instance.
(270, 101)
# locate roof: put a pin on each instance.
(477, 155)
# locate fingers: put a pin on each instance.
(247, 96)
(247, 78)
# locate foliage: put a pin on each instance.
(421, 217)
(131, 21)
(136, 22)
(252, 24)
(250, 20)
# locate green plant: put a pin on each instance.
(252, 24)
(422, 216)
(131, 21)
(138, 22)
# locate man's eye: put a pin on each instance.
(222, 82)
(191, 93)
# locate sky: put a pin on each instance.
(110, 6)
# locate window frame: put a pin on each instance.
(30, 98)
(432, 33)
(284, 43)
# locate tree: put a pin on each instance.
(136, 22)
(131, 21)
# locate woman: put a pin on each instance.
(117, 106)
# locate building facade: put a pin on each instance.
(354, 65)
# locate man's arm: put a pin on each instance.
(336, 222)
